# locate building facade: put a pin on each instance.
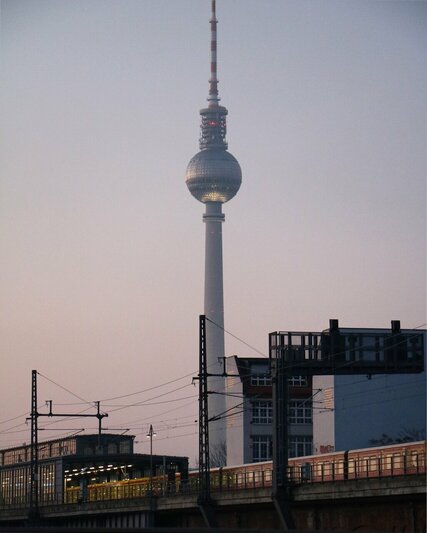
(250, 412)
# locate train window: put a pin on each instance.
(363, 462)
(327, 469)
(397, 460)
(373, 463)
(413, 460)
(318, 469)
(388, 462)
(351, 466)
(339, 467)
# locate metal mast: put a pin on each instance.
(213, 177)
(204, 464)
(34, 490)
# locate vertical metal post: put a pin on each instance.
(205, 503)
(165, 477)
(151, 433)
(34, 463)
(99, 417)
(204, 465)
(151, 459)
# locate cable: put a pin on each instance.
(154, 403)
(64, 388)
(343, 408)
(144, 401)
(14, 418)
(237, 338)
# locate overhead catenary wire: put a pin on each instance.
(236, 337)
(65, 389)
(163, 384)
(170, 381)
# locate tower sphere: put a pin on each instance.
(213, 175)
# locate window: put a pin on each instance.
(300, 412)
(261, 448)
(263, 379)
(262, 412)
(112, 448)
(298, 381)
(260, 379)
(124, 446)
(300, 446)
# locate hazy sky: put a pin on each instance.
(102, 244)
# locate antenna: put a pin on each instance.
(213, 98)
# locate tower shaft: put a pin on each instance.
(214, 311)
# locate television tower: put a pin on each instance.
(213, 177)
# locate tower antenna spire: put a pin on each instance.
(213, 98)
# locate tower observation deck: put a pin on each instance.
(214, 177)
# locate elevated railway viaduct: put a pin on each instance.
(383, 504)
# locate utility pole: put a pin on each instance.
(151, 517)
(204, 460)
(34, 490)
(151, 433)
(204, 501)
(34, 462)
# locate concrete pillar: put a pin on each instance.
(214, 311)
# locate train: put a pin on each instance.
(384, 461)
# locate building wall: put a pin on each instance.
(235, 418)
(366, 408)
(323, 414)
(384, 405)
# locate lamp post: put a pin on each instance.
(151, 433)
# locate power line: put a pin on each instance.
(64, 388)
(237, 338)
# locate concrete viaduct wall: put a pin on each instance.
(387, 504)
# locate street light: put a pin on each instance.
(151, 433)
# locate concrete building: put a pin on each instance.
(249, 412)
